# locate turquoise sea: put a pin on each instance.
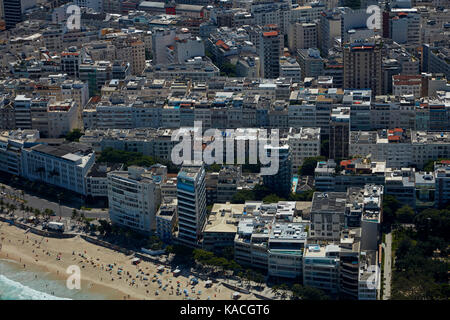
(19, 284)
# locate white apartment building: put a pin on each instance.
(303, 143)
(290, 69)
(132, 50)
(302, 36)
(166, 219)
(404, 85)
(185, 49)
(405, 26)
(269, 239)
(97, 5)
(369, 282)
(118, 116)
(134, 197)
(321, 267)
(301, 115)
(285, 249)
(76, 90)
(307, 13)
(250, 243)
(400, 148)
(65, 166)
(63, 117)
(97, 179)
(11, 144)
(278, 13)
(22, 112)
(327, 215)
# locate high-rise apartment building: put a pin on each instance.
(269, 52)
(362, 66)
(329, 28)
(191, 195)
(14, 9)
(280, 181)
(405, 26)
(134, 197)
(311, 63)
(339, 133)
(302, 36)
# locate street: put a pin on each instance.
(42, 204)
(387, 267)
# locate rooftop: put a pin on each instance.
(326, 202)
(224, 217)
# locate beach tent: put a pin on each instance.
(236, 295)
(208, 283)
(135, 260)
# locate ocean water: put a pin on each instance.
(19, 284)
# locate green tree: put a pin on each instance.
(228, 69)
(243, 195)
(302, 196)
(309, 165)
(49, 212)
(307, 293)
(390, 207)
(74, 135)
(215, 167)
(12, 208)
(405, 214)
(429, 166)
(272, 198)
(325, 148)
(105, 226)
(228, 253)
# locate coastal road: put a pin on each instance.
(42, 204)
(387, 267)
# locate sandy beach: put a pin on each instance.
(100, 268)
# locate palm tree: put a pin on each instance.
(37, 212)
(27, 210)
(60, 196)
(74, 214)
(49, 212)
(22, 208)
(275, 289)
